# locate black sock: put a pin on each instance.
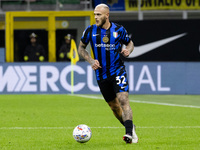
(128, 126)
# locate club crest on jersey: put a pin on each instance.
(115, 34)
(105, 39)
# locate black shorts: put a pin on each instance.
(112, 85)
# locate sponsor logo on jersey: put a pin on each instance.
(107, 47)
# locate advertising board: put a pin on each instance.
(55, 78)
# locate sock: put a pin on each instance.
(128, 126)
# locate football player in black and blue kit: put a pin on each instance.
(106, 39)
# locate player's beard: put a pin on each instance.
(103, 21)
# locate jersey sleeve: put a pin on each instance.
(86, 35)
(124, 36)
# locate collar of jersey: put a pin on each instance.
(108, 28)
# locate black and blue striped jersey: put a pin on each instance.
(106, 46)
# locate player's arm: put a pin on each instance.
(128, 50)
(84, 53)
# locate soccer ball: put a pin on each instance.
(82, 133)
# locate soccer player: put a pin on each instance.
(106, 39)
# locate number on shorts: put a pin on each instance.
(122, 80)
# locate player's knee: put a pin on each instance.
(123, 98)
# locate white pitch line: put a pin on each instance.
(166, 104)
(34, 128)
(138, 101)
(59, 128)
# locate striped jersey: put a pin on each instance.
(106, 46)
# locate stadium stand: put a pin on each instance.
(33, 5)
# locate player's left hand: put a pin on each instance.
(125, 52)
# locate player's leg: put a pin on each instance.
(127, 112)
(124, 103)
(122, 89)
(116, 108)
(130, 136)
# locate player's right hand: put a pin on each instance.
(95, 65)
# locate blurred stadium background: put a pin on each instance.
(166, 35)
(37, 108)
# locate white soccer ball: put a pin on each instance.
(82, 133)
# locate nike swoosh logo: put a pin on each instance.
(140, 50)
(95, 34)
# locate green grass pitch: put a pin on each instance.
(46, 122)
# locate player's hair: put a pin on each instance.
(104, 6)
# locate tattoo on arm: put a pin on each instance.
(130, 46)
(84, 53)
